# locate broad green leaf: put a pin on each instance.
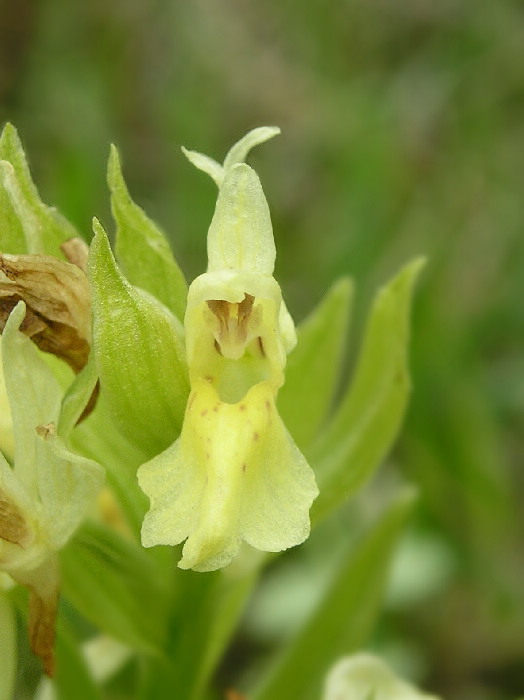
(8, 649)
(115, 585)
(44, 229)
(141, 248)
(139, 353)
(370, 414)
(312, 369)
(345, 616)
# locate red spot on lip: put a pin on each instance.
(268, 405)
(204, 412)
(244, 467)
(255, 437)
(242, 407)
(215, 408)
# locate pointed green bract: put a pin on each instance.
(345, 616)
(370, 414)
(139, 353)
(312, 370)
(12, 238)
(44, 229)
(141, 248)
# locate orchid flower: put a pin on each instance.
(46, 494)
(235, 473)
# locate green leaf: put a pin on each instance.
(73, 678)
(44, 229)
(141, 248)
(345, 616)
(208, 607)
(208, 632)
(370, 414)
(115, 585)
(139, 352)
(8, 650)
(313, 367)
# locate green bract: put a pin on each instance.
(27, 225)
(147, 387)
(235, 473)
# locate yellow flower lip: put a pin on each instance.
(234, 474)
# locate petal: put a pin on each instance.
(206, 164)
(235, 474)
(240, 150)
(67, 483)
(34, 395)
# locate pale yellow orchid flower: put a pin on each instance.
(235, 473)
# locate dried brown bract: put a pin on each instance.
(57, 297)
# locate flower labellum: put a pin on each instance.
(234, 473)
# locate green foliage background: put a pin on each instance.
(403, 134)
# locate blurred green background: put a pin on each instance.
(403, 133)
